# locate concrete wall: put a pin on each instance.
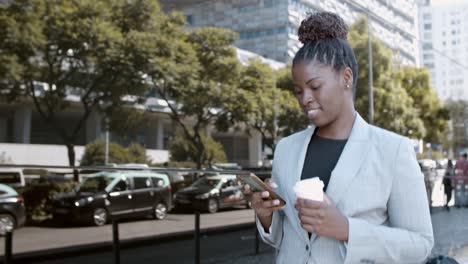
(56, 155)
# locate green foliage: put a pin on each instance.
(94, 154)
(183, 150)
(38, 198)
(404, 102)
(99, 50)
(264, 90)
(417, 84)
(203, 82)
(458, 112)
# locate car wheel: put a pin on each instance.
(7, 222)
(212, 206)
(99, 216)
(160, 211)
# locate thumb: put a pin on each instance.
(271, 183)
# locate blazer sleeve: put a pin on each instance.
(409, 236)
(274, 235)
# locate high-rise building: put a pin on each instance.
(444, 46)
(269, 27)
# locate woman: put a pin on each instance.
(375, 208)
(447, 182)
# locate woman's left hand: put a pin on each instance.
(322, 218)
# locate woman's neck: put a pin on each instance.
(339, 128)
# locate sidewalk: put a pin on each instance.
(450, 234)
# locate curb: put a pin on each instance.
(71, 251)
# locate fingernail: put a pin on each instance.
(265, 194)
(273, 185)
(276, 202)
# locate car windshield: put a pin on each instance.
(206, 182)
(95, 184)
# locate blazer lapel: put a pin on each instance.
(298, 163)
(351, 159)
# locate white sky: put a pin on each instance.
(448, 2)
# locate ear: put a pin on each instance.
(348, 79)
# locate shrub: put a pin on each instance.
(184, 150)
(94, 154)
(38, 198)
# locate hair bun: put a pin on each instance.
(322, 25)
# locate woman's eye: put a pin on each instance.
(314, 88)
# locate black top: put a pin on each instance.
(321, 158)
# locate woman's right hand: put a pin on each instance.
(263, 206)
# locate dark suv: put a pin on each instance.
(211, 193)
(116, 194)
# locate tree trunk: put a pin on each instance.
(71, 161)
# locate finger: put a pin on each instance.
(310, 220)
(312, 204)
(270, 203)
(315, 213)
(271, 183)
(265, 195)
(247, 189)
(328, 200)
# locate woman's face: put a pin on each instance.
(321, 92)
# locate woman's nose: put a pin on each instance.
(307, 97)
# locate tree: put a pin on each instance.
(182, 149)
(417, 84)
(458, 111)
(205, 91)
(393, 107)
(96, 49)
(265, 91)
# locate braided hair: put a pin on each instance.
(324, 36)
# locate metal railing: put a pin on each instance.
(116, 242)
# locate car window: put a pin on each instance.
(156, 180)
(206, 182)
(3, 193)
(141, 182)
(122, 185)
(95, 184)
(10, 177)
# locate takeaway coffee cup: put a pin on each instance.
(311, 189)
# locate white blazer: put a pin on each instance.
(377, 184)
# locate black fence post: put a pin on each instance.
(197, 237)
(115, 240)
(257, 240)
(8, 246)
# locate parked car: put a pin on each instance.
(12, 210)
(12, 177)
(116, 194)
(211, 193)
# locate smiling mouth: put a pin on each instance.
(312, 113)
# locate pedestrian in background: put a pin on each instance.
(448, 183)
(461, 167)
(375, 208)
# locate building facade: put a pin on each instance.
(269, 27)
(444, 46)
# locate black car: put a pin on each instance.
(211, 193)
(12, 210)
(116, 194)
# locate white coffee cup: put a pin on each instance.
(311, 189)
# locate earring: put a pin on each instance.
(347, 85)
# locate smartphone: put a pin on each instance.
(257, 185)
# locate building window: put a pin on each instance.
(268, 3)
(429, 65)
(428, 56)
(189, 19)
(427, 16)
(427, 26)
(427, 46)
